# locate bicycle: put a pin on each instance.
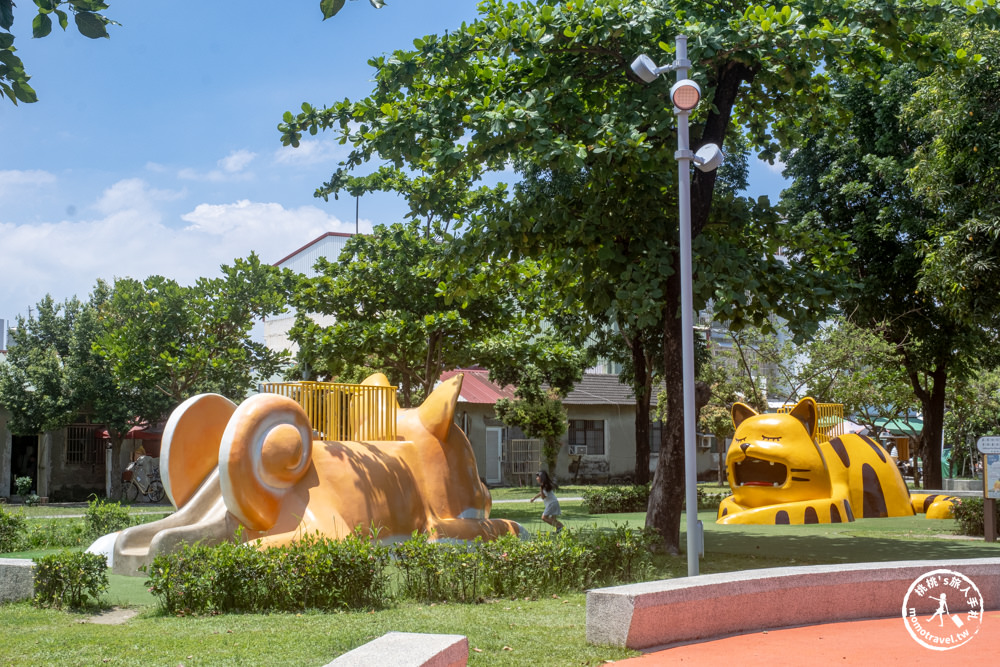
(144, 479)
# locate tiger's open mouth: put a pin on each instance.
(757, 472)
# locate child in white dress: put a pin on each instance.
(547, 494)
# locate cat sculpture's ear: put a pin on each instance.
(376, 380)
(807, 413)
(438, 410)
(742, 412)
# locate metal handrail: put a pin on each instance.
(343, 411)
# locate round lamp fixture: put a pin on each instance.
(708, 157)
(645, 68)
(685, 94)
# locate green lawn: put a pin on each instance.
(507, 632)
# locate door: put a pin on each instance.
(494, 450)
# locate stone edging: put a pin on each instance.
(661, 613)
(17, 580)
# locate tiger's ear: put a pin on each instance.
(807, 412)
(437, 411)
(742, 412)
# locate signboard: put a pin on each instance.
(988, 444)
(992, 474)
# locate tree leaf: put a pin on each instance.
(330, 7)
(41, 26)
(91, 25)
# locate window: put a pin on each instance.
(655, 431)
(589, 432)
(82, 445)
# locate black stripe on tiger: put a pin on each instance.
(838, 446)
(882, 454)
(781, 518)
(834, 514)
(811, 516)
(873, 496)
(929, 500)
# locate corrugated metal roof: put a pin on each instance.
(477, 388)
(601, 389)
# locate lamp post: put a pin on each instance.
(685, 95)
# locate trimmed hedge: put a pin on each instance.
(354, 573)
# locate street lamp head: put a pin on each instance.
(646, 69)
(685, 94)
(708, 157)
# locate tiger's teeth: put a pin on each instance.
(772, 462)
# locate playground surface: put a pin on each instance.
(881, 641)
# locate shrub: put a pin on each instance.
(432, 571)
(70, 578)
(710, 500)
(622, 555)
(969, 515)
(12, 526)
(22, 486)
(616, 499)
(55, 533)
(105, 517)
(313, 573)
(325, 574)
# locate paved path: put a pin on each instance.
(874, 642)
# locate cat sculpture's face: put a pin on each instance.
(774, 458)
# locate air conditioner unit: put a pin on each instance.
(578, 450)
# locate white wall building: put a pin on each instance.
(301, 261)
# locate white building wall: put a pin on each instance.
(302, 261)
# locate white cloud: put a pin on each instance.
(263, 225)
(237, 161)
(14, 180)
(777, 168)
(231, 168)
(133, 235)
(311, 152)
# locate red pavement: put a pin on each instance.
(879, 642)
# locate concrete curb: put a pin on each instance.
(662, 613)
(408, 649)
(17, 580)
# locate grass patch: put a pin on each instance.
(549, 630)
(507, 632)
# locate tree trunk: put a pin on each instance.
(667, 494)
(116, 465)
(644, 382)
(932, 404)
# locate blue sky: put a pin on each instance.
(156, 152)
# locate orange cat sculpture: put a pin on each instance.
(257, 466)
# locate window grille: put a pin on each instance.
(589, 432)
(82, 447)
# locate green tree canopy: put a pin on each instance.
(35, 381)
(168, 342)
(394, 310)
(855, 180)
(547, 85)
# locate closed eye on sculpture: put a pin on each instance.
(771, 438)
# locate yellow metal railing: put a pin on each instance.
(343, 411)
(831, 420)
